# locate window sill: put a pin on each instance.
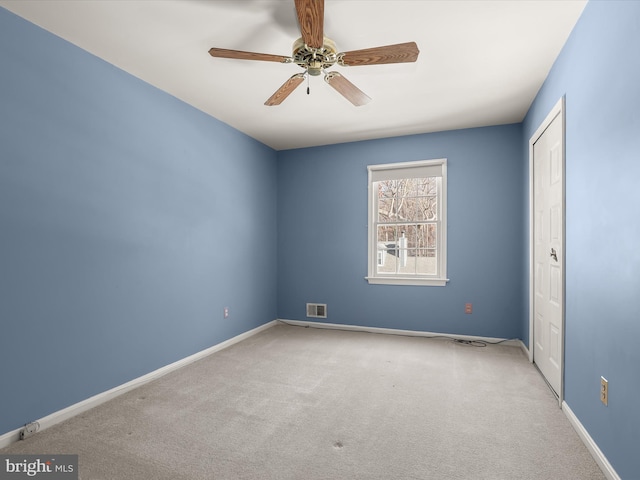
(427, 282)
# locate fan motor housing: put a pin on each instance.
(314, 60)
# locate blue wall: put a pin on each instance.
(128, 220)
(322, 230)
(599, 71)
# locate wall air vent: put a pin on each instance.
(317, 310)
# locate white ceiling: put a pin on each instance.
(481, 62)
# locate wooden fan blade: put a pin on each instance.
(285, 90)
(347, 89)
(240, 55)
(311, 20)
(399, 53)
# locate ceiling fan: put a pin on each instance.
(315, 53)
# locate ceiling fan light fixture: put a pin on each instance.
(315, 68)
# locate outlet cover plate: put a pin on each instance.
(604, 391)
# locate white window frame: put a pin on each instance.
(407, 170)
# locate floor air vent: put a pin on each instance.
(317, 310)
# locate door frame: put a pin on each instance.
(558, 109)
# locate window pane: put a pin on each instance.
(426, 262)
(412, 187)
(407, 262)
(427, 208)
(406, 187)
(404, 206)
(386, 234)
(432, 235)
(387, 188)
(386, 207)
(412, 234)
(387, 251)
(427, 186)
(387, 260)
(405, 209)
(419, 236)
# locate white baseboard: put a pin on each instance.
(393, 331)
(525, 350)
(77, 408)
(591, 445)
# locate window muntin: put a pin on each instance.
(407, 223)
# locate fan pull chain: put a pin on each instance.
(308, 83)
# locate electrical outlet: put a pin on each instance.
(225, 312)
(604, 391)
(468, 308)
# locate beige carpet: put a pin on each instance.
(305, 403)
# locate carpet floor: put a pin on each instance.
(307, 403)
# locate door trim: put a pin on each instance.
(558, 109)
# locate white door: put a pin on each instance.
(548, 250)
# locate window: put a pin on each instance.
(408, 223)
